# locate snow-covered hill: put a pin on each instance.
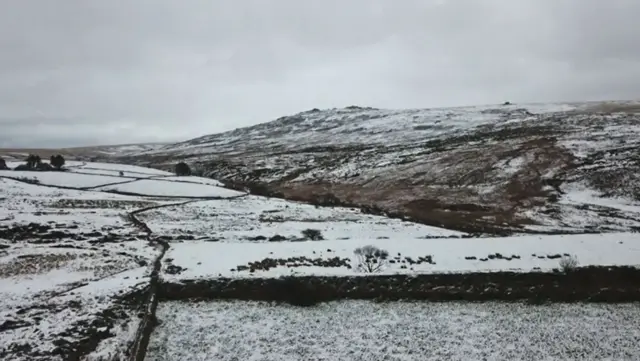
(532, 168)
(82, 251)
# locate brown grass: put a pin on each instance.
(612, 107)
(447, 190)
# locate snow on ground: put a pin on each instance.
(53, 293)
(127, 148)
(79, 211)
(155, 187)
(359, 330)
(106, 169)
(511, 166)
(112, 173)
(65, 256)
(200, 260)
(579, 195)
(192, 179)
(246, 217)
(68, 164)
(57, 259)
(358, 126)
(65, 179)
(115, 169)
(582, 208)
(146, 181)
(29, 270)
(48, 324)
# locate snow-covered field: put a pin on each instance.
(69, 252)
(522, 254)
(65, 256)
(139, 180)
(354, 330)
(226, 226)
(160, 187)
(239, 219)
(200, 180)
(41, 323)
(68, 179)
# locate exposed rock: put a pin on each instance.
(174, 269)
(292, 262)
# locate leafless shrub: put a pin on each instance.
(312, 234)
(371, 259)
(568, 263)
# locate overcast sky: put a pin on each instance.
(83, 72)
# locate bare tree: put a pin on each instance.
(312, 234)
(371, 259)
(568, 263)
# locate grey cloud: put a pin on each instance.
(79, 72)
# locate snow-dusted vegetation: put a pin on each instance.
(73, 265)
(84, 251)
(495, 169)
(406, 255)
(358, 330)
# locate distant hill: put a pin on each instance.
(18, 154)
(498, 169)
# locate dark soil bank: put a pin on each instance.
(587, 284)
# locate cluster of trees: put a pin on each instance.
(34, 162)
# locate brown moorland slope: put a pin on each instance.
(535, 168)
